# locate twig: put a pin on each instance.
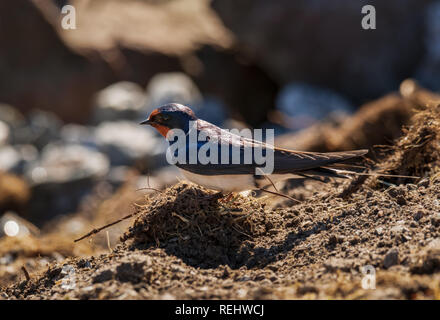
(280, 194)
(148, 186)
(95, 231)
(108, 242)
(267, 177)
(26, 273)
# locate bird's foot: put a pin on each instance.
(228, 198)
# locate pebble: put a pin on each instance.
(391, 258)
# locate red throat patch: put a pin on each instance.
(162, 129)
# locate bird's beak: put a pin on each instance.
(148, 121)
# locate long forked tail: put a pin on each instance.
(290, 161)
(332, 164)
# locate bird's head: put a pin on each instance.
(170, 116)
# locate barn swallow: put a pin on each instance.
(235, 177)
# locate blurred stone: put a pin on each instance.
(78, 134)
(428, 259)
(62, 177)
(421, 97)
(42, 128)
(26, 154)
(322, 42)
(173, 87)
(4, 133)
(121, 100)
(391, 258)
(11, 116)
(12, 225)
(118, 175)
(64, 163)
(9, 158)
(303, 105)
(127, 143)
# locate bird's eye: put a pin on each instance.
(161, 118)
(158, 118)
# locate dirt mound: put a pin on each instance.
(190, 223)
(417, 152)
(316, 249)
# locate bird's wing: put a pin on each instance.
(285, 161)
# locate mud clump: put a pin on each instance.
(191, 223)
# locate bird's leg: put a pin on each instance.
(221, 197)
(227, 198)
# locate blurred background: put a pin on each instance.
(71, 100)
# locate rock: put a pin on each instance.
(15, 158)
(12, 225)
(173, 87)
(42, 127)
(394, 192)
(9, 158)
(64, 163)
(334, 264)
(11, 116)
(62, 177)
(103, 276)
(127, 143)
(4, 133)
(391, 258)
(78, 134)
(379, 231)
(435, 219)
(7, 259)
(399, 228)
(419, 215)
(401, 200)
(305, 104)
(429, 259)
(323, 42)
(121, 100)
(130, 272)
